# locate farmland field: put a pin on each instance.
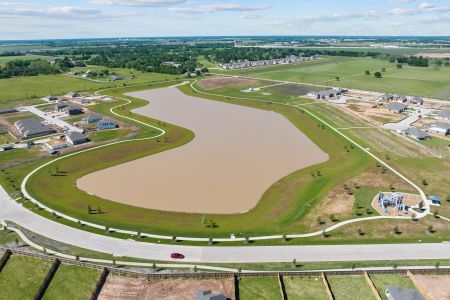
(429, 82)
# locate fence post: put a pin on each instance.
(50, 274)
(100, 282)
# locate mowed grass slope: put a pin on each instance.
(261, 288)
(418, 81)
(21, 277)
(72, 282)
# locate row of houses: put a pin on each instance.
(439, 128)
(401, 99)
(268, 62)
(326, 94)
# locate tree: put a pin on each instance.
(378, 75)
(421, 204)
(360, 232)
(396, 230)
(204, 221)
(338, 78)
(424, 182)
(77, 257)
(430, 229)
(99, 210)
(154, 266)
(367, 72)
(383, 69)
(399, 66)
(436, 214)
(319, 221)
(294, 263)
(437, 265)
(89, 209)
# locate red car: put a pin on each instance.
(177, 255)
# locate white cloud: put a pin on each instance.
(402, 11)
(211, 8)
(139, 3)
(426, 5)
(60, 12)
(249, 16)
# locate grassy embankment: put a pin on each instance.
(298, 191)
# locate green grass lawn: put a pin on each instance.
(22, 277)
(435, 142)
(107, 135)
(381, 281)
(72, 282)
(305, 287)
(260, 288)
(409, 80)
(5, 59)
(350, 287)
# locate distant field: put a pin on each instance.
(427, 82)
(5, 59)
(19, 88)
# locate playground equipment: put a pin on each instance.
(394, 200)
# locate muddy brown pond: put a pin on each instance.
(237, 154)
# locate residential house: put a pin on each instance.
(7, 110)
(440, 128)
(401, 98)
(399, 293)
(395, 107)
(60, 106)
(385, 97)
(443, 115)
(31, 128)
(415, 133)
(80, 100)
(73, 95)
(75, 138)
(416, 101)
(328, 93)
(102, 125)
(52, 98)
(92, 119)
(208, 295)
(56, 144)
(73, 110)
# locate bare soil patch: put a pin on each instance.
(220, 82)
(292, 89)
(434, 55)
(436, 286)
(173, 289)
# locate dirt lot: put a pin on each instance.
(220, 82)
(132, 288)
(434, 55)
(436, 286)
(292, 89)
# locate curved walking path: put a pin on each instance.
(228, 239)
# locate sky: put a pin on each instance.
(43, 19)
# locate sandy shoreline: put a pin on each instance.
(236, 155)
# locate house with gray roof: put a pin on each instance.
(7, 110)
(401, 98)
(395, 107)
(73, 110)
(440, 128)
(31, 128)
(92, 119)
(75, 138)
(399, 293)
(415, 133)
(385, 97)
(443, 115)
(416, 101)
(73, 95)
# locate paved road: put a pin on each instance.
(12, 211)
(406, 123)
